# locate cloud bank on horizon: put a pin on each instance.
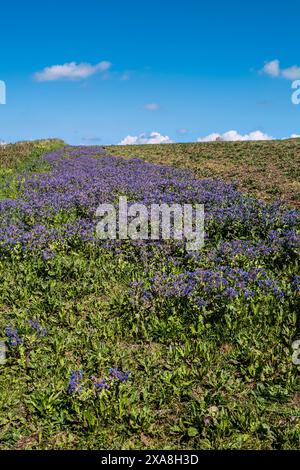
(157, 138)
(142, 139)
(229, 136)
(232, 136)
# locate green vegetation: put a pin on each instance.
(211, 375)
(22, 158)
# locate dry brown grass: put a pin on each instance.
(268, 170)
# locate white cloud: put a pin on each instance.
(232, 136)
(2, 142)
(125, 76)
(210, 138)
(295, 136)
(153, 138)
(71, 71)
(152, 106)
(183, 131)
(291, 73)
(273, 69)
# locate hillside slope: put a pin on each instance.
(268, 170)
(142, 344)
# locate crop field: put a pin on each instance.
(268, 170)
(123, 344)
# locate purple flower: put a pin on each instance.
(75, 382)
(13, 337)
(118, 374)
(99, 384)
(35, 325)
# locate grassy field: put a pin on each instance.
(127, 345)
(268, 170)
(22, 158)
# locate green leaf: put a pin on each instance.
(192, 432)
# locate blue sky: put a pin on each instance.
(183, 70)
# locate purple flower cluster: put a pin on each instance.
(244, 237)
(12, 336)
(204, 284)
(35, 325)
(57, 209)
(75, 382)
(296, 283)
(115, 375)
(99, 384)
(102, 384)
(276, 243)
